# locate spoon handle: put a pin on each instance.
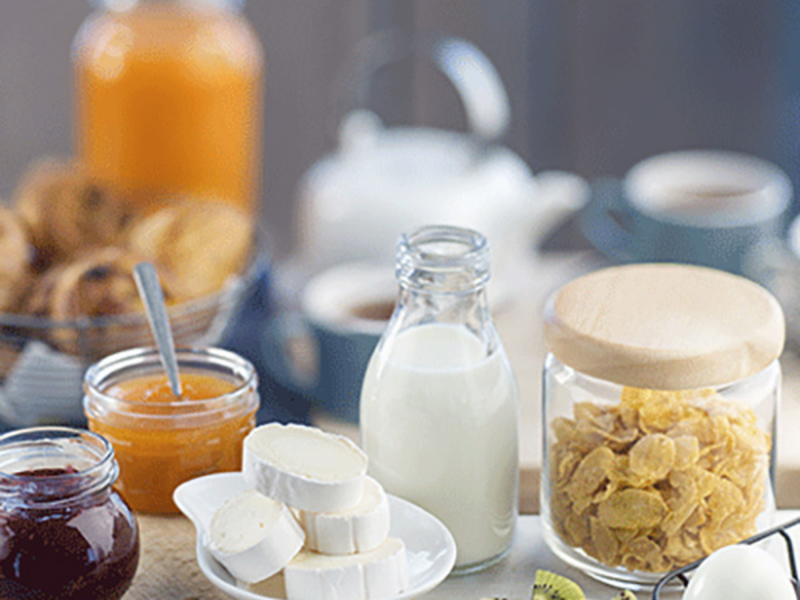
(150, 289)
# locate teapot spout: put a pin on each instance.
(559, 194)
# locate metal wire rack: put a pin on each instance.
(780, 530)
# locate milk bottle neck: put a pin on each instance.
(471, 311)
(443, 260)
(443, 273)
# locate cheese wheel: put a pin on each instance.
(254, 537)
(360, 529)
(381, 573)
(304, 467)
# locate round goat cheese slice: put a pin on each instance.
(381, 573)
(359, 529)
(304, 467)
(254, 537)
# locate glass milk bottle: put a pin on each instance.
(439, 401)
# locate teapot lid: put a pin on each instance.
(408, 163)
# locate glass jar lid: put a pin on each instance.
(664, 326)
(138, 411)
(44, 466)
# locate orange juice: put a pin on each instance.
(161, 441)
(169, 102)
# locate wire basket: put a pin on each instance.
(42, 361)
(668, 581)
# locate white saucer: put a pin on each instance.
(430, 548)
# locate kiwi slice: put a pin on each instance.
(549, 586)
(625, 595)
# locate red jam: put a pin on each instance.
(79, 545)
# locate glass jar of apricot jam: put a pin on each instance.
(64, 532)
(160, 440)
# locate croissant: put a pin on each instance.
(201, 243)
(67, 210)
(16, 252)
(98, 284)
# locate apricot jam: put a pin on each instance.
(64, 532)
(162, 441)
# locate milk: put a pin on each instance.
(439, 424)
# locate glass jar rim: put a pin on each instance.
(101, 473)
(473, 242)
(431, 254)
(137, 357)
(717, 387)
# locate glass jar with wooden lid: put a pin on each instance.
(661, 390)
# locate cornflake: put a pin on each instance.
(659, 480)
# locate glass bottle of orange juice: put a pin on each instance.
(169, 100)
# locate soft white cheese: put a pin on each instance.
(359, 529)
(304, 467)
(381, 573)
(254, 537)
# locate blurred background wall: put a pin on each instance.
(594, 86)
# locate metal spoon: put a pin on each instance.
(150, 290)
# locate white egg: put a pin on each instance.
(740, 572)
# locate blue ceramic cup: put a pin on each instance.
(343, 312)
(703, 207)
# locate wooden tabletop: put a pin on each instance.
(168, 570)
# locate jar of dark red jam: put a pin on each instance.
(64, 532)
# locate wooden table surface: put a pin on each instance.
(168, 570)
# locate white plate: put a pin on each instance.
(430, 549)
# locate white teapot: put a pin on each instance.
(382, 182)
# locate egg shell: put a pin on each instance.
(740, 572)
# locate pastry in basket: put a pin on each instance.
(16, 279)
(67, 210)
(16, 252)
(99, 284)
(202, 243)
(37, 303)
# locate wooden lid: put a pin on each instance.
(664, 326)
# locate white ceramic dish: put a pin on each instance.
(430, 548)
